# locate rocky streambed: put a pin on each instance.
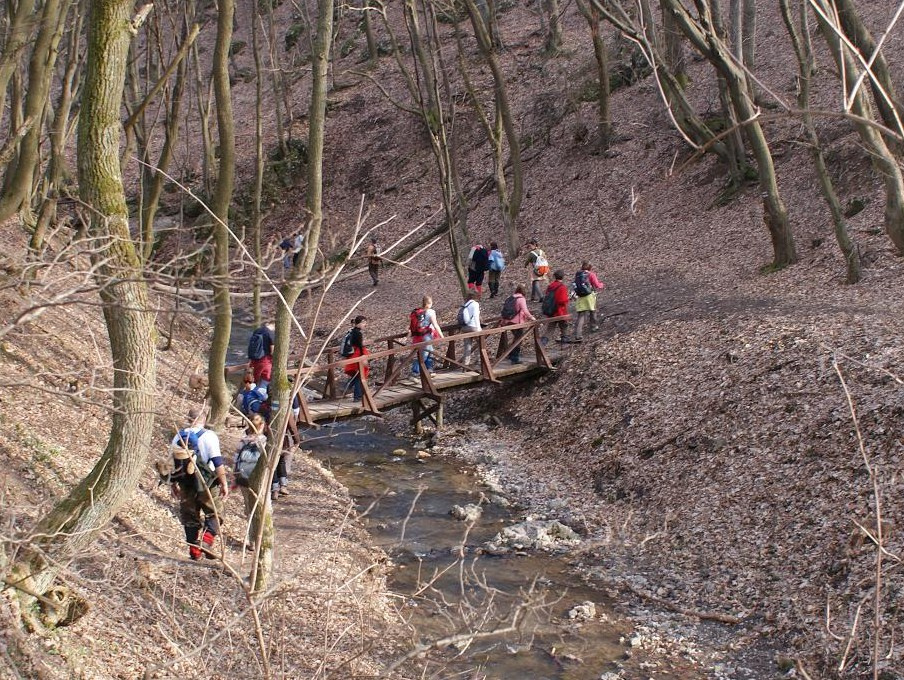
(488, 590)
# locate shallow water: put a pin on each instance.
(406, 503)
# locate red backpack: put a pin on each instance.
(418, 322)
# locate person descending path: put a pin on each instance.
(515, 311)
(423, 326)
(586, 284)
(198, 467)
(497, 266)
(555, 303)
(373, 261)
(260, 353)
(251, 446)
(353, 346)
(469, 322)
(478, 263)
(539, 269)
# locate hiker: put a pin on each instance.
(353, 346)
(586, 284)
(555, 303)
(478, 263)
(260, 353)
(515, 311)
(198, 466)
(469, 322)
(251, 398)
(251, 446)
(373, 261)
(423, 326)
(291, 247)
(497, 266)
(539, 268)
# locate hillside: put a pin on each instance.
(702, 441)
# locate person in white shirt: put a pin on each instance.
(198, 467)
(469, 319)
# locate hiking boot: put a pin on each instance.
(207, 539)
(594, 328)
(194, 552)
(576, 340)
(283, 491)
(274, 495)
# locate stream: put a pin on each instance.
(405, 502)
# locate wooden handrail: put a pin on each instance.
(445, 340)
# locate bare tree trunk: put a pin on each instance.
(75, 521)
(255, 231)
(604, 121)
(553, 26)
(16, 39)
(800, 39)
(673, 48)
(509, 201)
(881, 156)
(153, 178)
(317, 131)
(202, 92)
(222, 197)
(859, 35)
(280, 388)
(703, 34)
(734, 140)
(277, 82)
(59, 136)
(40, 75)
(373, 51)
(684, 117)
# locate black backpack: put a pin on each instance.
(582, 283)
(256, 345)
(509, 308)
(549, 305)
(347, 348)
(481, 259)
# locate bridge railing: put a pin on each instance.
(387, 367)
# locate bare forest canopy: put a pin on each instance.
(155, 155)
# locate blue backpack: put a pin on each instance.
(497, 261)
(253, 401)
(190, 439)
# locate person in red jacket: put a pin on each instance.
(559, 292)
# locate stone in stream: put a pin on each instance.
(583, 612)
(399, 452)
(468, 513)
(546, 535)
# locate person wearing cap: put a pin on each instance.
(373, 260)
(199, 467)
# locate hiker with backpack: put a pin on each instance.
(251, 446)
(497, 266)
(373, 261)
(555, 303)
(478, 264)
(423, 326)
(251, 398)
(260, 353)
(586, 284)
(353, 346)
(539, 269)
(469, 322)
(198, 466)
(515, 311)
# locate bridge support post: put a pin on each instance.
(421, 411)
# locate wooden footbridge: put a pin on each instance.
(392, 383)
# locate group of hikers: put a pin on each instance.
(198, 462)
